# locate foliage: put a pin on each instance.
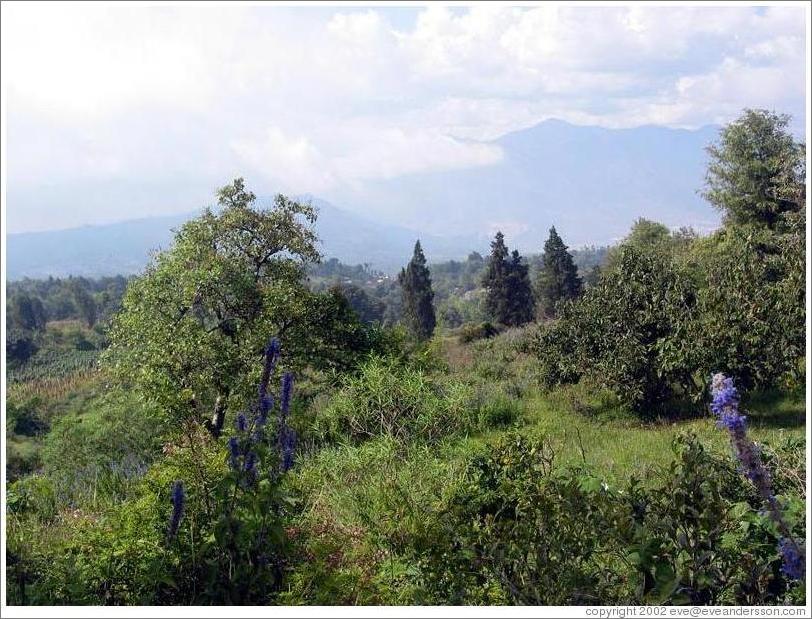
(192, 327)
(558, 278)
(751, 313)
(628, 333)
(405, 402)
(756, 171)
(368, 308)
(483, 330)
(418, 297)
(509, 299)
(525, 530)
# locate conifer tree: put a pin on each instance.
(521, 305)
(418, 297)
(558, 278)
(495, 280)
(509, 300)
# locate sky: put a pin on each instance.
(117, 112)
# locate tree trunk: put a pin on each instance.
(218, 417)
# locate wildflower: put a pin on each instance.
(178, 501)
(287, 444)
(242, 422)
(251, 466)
(725, 406)
(265, 406)
(793, 565)
(234, 452)
(271, 355)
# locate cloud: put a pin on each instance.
(319, 99)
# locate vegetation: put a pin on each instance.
(246, 425)
(418, 307)
(558, 278)
(509, 298)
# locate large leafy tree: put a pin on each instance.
(629, 333)
(558, 277)
(509, 298)
(418, 297)
(756, 170)
(193, 327)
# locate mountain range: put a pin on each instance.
(590, 182)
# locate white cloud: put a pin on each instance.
(314, 99)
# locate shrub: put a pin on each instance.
(751, 314)
(522, 530)
(628, 333)
(471, 332)
(389, 398)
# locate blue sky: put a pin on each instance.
(117, 112)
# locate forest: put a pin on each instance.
(249, 422)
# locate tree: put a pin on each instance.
(369, 308)
(756, 170)
(509, 299)
(495, 280)
(27, 312)
(85, 302)
(521, 305)
(193, 327)
(558, 278)
(418, 297)
(630, 334)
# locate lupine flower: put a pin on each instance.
(725, 406)
(178, 501)
(242, 422)
(234, 452)
(794, 565)
(287, 444)
(251, 466)
(265, 406)
(271, 354)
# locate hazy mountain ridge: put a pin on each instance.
(590, 182)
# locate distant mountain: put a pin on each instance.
(124, 247)
(590, 182)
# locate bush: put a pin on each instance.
(471, 332)
(522, 530)
(751, 319)
(628, 334)
(388, 398)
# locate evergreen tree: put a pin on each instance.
(495, 280)
(521, 305)
(418, 309)
(558, 278)
(509, 300)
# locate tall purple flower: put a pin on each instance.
(271, 355)
(287, 446)
(287, 391)
(234, 452)
(242, 422)
(178, 498)
(725, 406)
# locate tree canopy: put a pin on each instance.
(756, 170)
